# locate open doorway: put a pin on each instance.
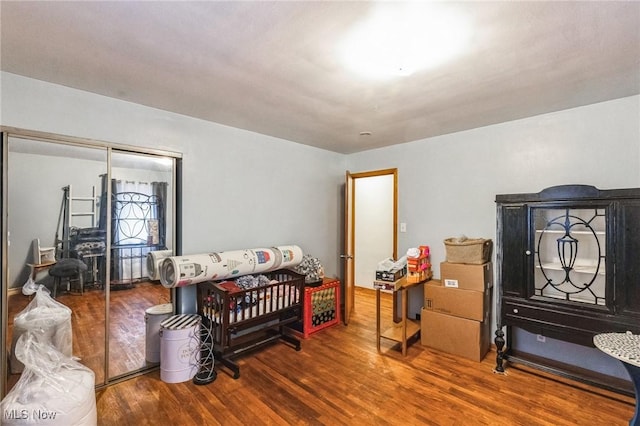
(373, 226)
(371, 206)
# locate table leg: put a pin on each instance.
(378, 319)
(404, 321)
(634, 372)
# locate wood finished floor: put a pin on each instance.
(338, 378)
(127, 325)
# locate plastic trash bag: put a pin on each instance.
(29, 287)
(48, 319)
(390, 265)
(53, 390)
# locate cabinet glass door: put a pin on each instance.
(570, 254)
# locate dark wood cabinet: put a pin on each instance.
(568, 267)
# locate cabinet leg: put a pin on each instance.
(499, 341)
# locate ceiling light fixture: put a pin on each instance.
(398, 39)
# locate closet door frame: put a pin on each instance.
(38, 136)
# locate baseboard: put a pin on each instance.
(15, 290)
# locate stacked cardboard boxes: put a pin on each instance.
(456, 317)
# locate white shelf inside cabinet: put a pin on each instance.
(577, 298)
(583, 269)
(561, 232)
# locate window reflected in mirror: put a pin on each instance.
(141, 237)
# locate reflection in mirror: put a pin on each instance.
(54, 241)
(141, 236)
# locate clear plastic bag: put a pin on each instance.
(29, 287)
(54, 389)
(49, 321)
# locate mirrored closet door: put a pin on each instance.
(141, 224)
(87, 223)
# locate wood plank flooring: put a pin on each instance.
(338, 378)
(127, 325)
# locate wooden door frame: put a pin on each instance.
(349, 254)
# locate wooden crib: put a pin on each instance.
(242, 319)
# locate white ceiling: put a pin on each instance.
(274, 68)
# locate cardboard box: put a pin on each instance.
(467, 276)
(458, 336)
(393, 275)
(469, 304)
(390, 285)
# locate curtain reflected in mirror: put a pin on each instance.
(141, 236)
(56, 249)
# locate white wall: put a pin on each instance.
(447, 184)
(34, 212)
(373, 226)
(240, 189)
(243, 189)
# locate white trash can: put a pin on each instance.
(179, 348)
(152, 318)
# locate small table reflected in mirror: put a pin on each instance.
(37, 269)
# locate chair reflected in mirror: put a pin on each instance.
(71, 270)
